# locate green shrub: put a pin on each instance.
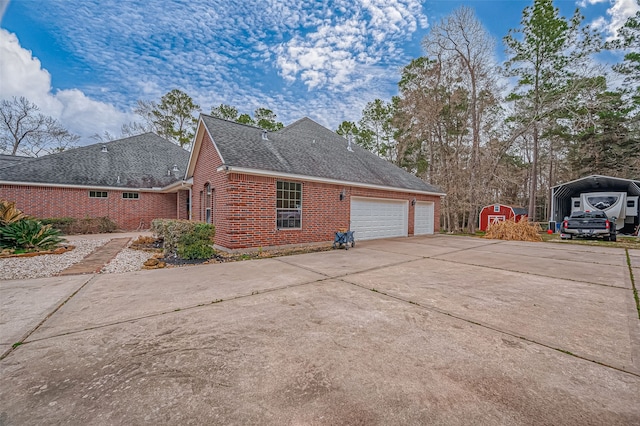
(63, 224)
(198, 250)
(29, 234)
(87, 225)
(196, 244)
(172, 230)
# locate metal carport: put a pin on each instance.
(561, 194)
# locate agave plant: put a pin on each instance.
(29, 234)
(9, 213)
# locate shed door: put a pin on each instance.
(493, 219)
(379, 218)
(423, 218)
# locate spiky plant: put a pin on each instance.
(29, 234)
(9, 213)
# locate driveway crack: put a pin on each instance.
(34, 329)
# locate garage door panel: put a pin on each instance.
(423, 218)
(378, 218)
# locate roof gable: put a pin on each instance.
(306, 148)
(142, 161)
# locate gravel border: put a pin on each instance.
(128, 260)
(47, 265)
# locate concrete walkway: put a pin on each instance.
(424, 330)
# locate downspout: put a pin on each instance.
(190, 203)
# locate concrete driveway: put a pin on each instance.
(423, 330)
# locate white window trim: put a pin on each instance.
(100, 192)
(299, 209)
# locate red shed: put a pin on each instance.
(499, 212)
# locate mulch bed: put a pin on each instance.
(154, 247)
(59, 250)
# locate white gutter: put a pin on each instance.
(98, 187)
(267, 173)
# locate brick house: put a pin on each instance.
(299, 185)
(260, 189)
(131, 180)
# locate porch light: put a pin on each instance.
(413, 202)
(343, 194)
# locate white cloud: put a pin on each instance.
(618, 14)
(585, 3)
(23, 75)
(620, 11)
(334, 51)
(321, 59)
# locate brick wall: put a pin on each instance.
(183, 204)
(244, 206)
(128, 214)
(247, 214)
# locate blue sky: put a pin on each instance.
(87, 62)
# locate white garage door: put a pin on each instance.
(378, 218)
(423, 218)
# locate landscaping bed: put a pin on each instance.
(153, 247)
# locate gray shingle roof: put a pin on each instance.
(306, 148)
(141, 161)
(11, 160)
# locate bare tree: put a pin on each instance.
(25, 130)
(464, 46)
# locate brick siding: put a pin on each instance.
(128, 214)
(244, 206)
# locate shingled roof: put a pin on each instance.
(307, 148)
(11, 160)
(142, 161)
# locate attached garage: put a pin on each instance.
(423, 218)
(373, 218)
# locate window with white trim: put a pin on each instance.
(288, 205)
(97, 194)
(130, 195)
(207, 203)
(496, 208)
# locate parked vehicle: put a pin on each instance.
(620, 207)
(588, 224)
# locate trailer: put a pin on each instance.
(617, 197)
(619, 207)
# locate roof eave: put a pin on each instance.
(596, 176)
(268, 173)
(177, 186)
(167, 188)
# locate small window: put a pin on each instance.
(288, 205)
(131, 195)
(97, 194)
(496, 208)
(576, 204)
(207, 203)
(631, 203)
